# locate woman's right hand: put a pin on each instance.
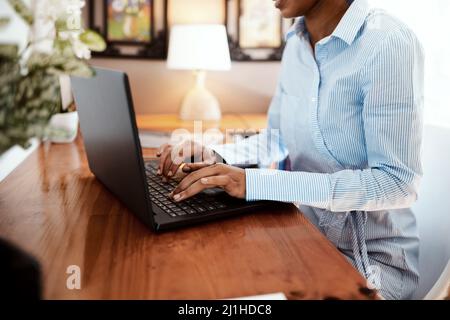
(171, 157)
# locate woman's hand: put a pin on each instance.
(229, 178)
(171, 157)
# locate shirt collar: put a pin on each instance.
(352, 21)
(348, 27)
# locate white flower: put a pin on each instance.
(61, 19)
(61, 11)
(80, 49)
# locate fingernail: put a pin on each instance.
(170, 174)
(177, 197)
(204, 180)
(158, 172)
(186, 169)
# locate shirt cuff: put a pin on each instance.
(233, 154)
(312, 189)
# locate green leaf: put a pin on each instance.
(9, 51)
(26, 104)
(61, 24)
(22, 10)
(63, 46)
(74, 67)
(59, 64)
(93, 40)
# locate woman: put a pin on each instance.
(347, 116)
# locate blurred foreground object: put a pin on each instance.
(20, 274)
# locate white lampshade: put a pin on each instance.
(199, 47)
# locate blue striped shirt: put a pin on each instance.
(347, 117)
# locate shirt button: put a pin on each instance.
(341, 216)
(313, 99)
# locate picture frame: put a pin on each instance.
(259, 25)
(130, 29)
(148, 39)
(257, 35)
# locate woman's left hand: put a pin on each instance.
(202, 176)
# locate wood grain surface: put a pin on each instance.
(55, 209)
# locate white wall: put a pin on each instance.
(247, 88)
(430, 20)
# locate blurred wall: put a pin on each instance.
(247, 88)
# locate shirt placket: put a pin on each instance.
(332, 223)
(319, 60)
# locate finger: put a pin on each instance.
(209, 182)
(197, 175)
(216, 181)
(162, 160)
(166, 167)
(173, 169)
(173, 161)
(179, 175)
(191, 167)
(177, 156)
(161, 149)
(194, 189)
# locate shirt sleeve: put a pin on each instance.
(392, 82)
(262, 149)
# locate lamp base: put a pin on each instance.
(199, 103)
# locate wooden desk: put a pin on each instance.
(54, 208)
(230, 121)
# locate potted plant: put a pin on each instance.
(63, 126)
(31, 80)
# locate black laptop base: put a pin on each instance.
(208, 205)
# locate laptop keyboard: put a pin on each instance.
(200, 204)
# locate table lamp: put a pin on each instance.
(199, 48)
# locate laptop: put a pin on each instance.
(114, 153)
